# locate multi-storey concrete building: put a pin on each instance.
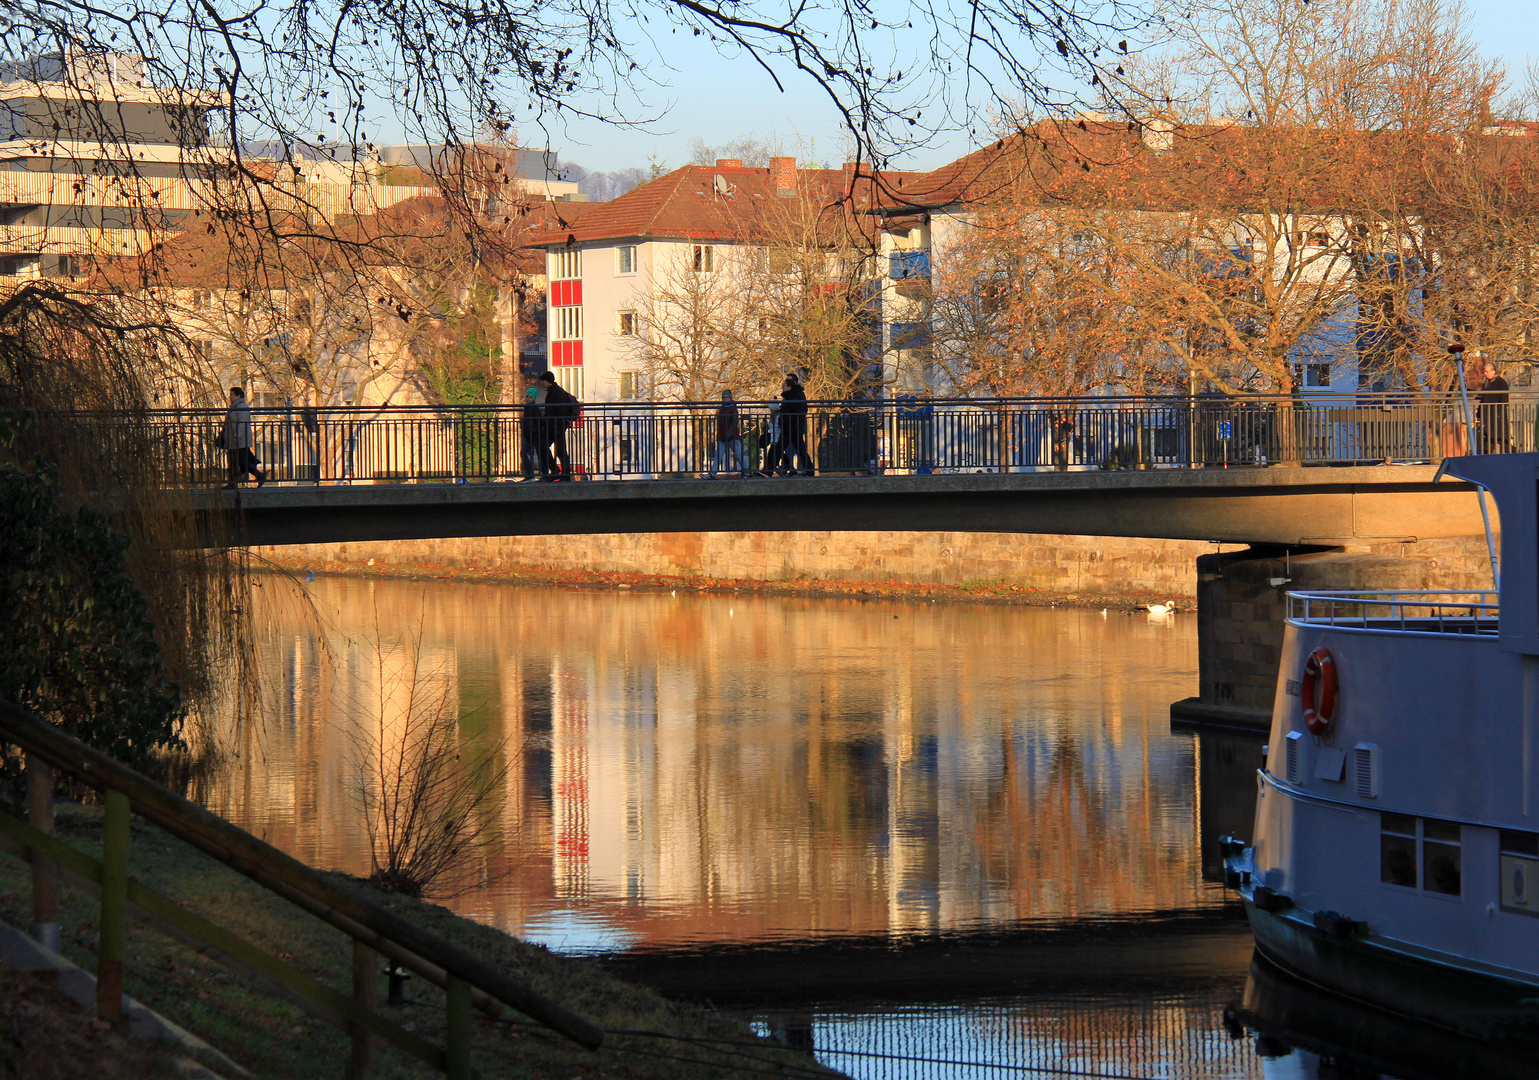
(706, 254)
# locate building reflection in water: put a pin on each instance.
(707, 768)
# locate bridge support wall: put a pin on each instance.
(1241, 608)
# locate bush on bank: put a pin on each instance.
(76, 644)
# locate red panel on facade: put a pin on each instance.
(565, 293)
(566, 354)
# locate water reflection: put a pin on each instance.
(726, 768)
(1305, 1032)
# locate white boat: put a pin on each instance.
(1395, 856)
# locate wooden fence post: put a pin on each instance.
(45, 876)
(114, 914)
(457, 1033)
(365, 992)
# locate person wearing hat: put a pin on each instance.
(536, 455)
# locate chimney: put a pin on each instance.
(729, 163)
(782, 175)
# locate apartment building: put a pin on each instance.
(679, 257)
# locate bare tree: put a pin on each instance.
(431, 801)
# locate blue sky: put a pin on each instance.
(719, 100)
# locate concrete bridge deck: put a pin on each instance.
(1300, 506)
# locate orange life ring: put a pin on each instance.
(1319, 675)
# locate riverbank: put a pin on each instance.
(979, 591)
(1003, 568)
(273, 1038)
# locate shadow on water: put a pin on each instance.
(1150, 952)
(1308, 1032)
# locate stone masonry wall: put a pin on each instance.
(1090, 565)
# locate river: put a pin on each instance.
(886, 830)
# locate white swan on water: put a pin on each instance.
(1168, 608)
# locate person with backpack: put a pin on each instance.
(561, 412)
(793, 426)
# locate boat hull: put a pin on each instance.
(1294, 1014)
(1472, 1003)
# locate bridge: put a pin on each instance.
(1322, 470)
(1295, 478)
(1294, 506)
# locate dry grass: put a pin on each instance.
(46, 1036)
(274, 1038)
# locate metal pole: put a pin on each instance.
(114, 912)
(1469, 428)
(45, 877)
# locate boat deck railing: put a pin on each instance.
(1465, 612)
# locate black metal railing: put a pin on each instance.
(910, 436)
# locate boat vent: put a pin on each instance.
(1365, 770)
(1294, 757)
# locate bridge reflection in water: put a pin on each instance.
(889, 809)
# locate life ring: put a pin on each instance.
(1319, 675)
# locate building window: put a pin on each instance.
(1520, 871)
(910, 335)
(568, 324)
(630, 383)
(201, 299)
(1441, 853)
(627, 259)
(1397, 850)
(565, 265)
(1312, 374)
(1421, 853)
(625, 323)
(13, 119)
(704, 261)
(909, 264)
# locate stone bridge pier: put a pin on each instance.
(1241, 608)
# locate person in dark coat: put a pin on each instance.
(237, 441)
(532, 442)
(560, 413)
(1492, 418)
(793, 426)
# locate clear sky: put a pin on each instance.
(719, 100)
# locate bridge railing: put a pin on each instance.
(651, 440)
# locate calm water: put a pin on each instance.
(889, 831)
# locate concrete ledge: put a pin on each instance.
(200, 1061)
(1191, 712)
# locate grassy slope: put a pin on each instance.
(273, 1038)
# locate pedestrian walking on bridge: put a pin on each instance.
(237, 442)
(561, 411)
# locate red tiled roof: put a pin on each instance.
(685, 205)
(1107, 163)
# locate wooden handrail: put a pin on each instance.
(267, 866)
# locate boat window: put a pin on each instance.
(1397, 849)
(1520, 871)
(1441, 857)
